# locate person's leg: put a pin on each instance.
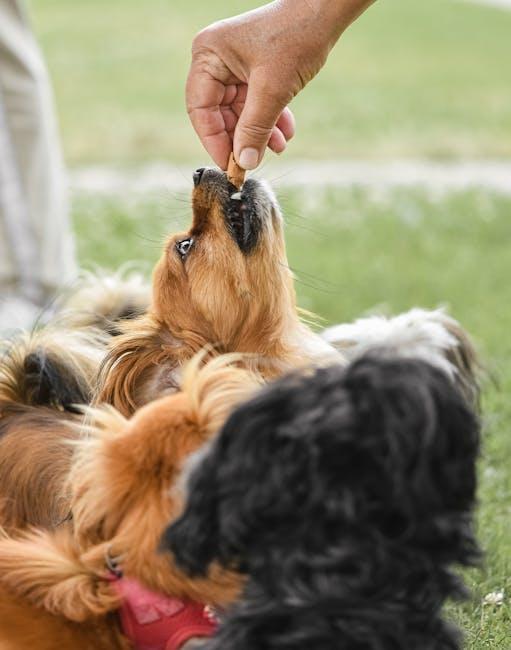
(36, 245)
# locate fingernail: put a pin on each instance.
(249, 158)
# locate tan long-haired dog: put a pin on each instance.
(45, 376)
(224, 282)
(125, 489)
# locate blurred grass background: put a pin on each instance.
(410, 79)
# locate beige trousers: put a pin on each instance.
(36, 244)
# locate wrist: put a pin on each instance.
(333, 16)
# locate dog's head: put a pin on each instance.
(125, 478)
(378, 456)
(226, 279)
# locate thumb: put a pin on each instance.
(262, 109)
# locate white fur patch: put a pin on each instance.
(418, 333)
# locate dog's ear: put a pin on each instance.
(128, 377)
(193, 538)
(44, 568)
(251, 482)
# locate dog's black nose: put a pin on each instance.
(197, 175)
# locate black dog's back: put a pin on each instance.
(346, 496)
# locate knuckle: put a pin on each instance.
(277, 91)
(207, 38)
(256, 131)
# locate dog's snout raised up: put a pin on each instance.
(244, 212)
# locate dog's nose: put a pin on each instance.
(197, 175)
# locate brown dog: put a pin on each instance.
(124, 486)
(224, 282)
(43, 376)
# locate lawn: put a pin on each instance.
(352, 253)
(410, 78)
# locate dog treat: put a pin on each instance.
(235, 173)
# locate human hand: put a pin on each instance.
(247, 69)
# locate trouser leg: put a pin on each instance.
(36, 247)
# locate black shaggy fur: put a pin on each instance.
(345, 496)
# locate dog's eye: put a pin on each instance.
(183, 246)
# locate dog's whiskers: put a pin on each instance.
(329, 287)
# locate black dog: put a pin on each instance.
(345, 496)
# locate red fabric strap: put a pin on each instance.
(152, 621)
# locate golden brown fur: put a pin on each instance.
(125, 476)
(124, 470)
(24, 627)
(24, 360)
(236, 301)
(34, 464)
(42, 377)
(125, 490)
(103, 300)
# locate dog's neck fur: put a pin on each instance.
(145, 361)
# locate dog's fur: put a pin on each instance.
(224, 293)
(123, 492)
(432, 336)
(31, 628)
(45, 377)
(345, 497)
(233, 290)
(105, 300)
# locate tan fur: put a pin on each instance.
(125, 477)
(465, 359)
(80, 351)
(101, 299)
(64, 586)
(125, 490)
(34, 456)
(220, 296)
(26, 627)
(124, 484)
(34, 464)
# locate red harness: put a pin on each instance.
(152, 621)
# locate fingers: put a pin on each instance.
(209, 91)
(277, 141)
(287, 123)
(226, 115)
(282, 132)
(263, 107)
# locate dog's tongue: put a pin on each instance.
(152, 621)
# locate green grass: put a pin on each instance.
(410, 78)
(353, 252)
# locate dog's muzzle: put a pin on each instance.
(245, 210)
